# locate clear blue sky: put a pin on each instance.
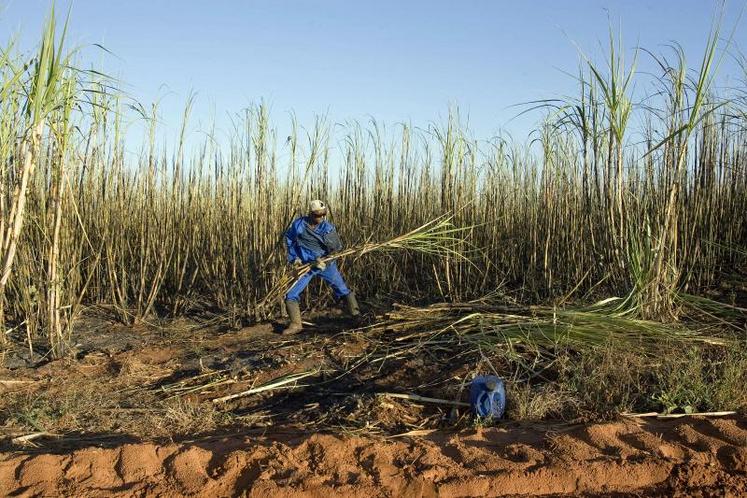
(394, 60)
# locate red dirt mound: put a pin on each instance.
(693, 457)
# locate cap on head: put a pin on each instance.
(318, 207)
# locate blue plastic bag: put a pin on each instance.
(487, 395)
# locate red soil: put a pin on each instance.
(686, 457)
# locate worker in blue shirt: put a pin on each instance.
(308, 240)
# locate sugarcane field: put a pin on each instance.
(373, 249)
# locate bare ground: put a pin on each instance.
(133, 415)
(694, 457)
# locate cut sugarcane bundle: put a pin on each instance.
(438, 237)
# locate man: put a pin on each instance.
(308, 240)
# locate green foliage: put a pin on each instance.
(695, 380)
(607, 382)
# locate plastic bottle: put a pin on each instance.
(487, 395)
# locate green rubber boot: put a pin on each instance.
(351, 303)
(294, 314)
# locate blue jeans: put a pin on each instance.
(330, 274)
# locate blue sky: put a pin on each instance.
(393, 60)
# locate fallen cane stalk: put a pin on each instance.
(28, 438)
(267, 387)
(415, 433)
(423, 399)
(678, 415)
(202, 388)
(697, 414)
(15, 382)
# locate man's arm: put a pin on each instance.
(290, 239)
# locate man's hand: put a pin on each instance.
(297, 265)
(319, 264)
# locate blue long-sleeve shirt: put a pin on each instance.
(306, 243)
